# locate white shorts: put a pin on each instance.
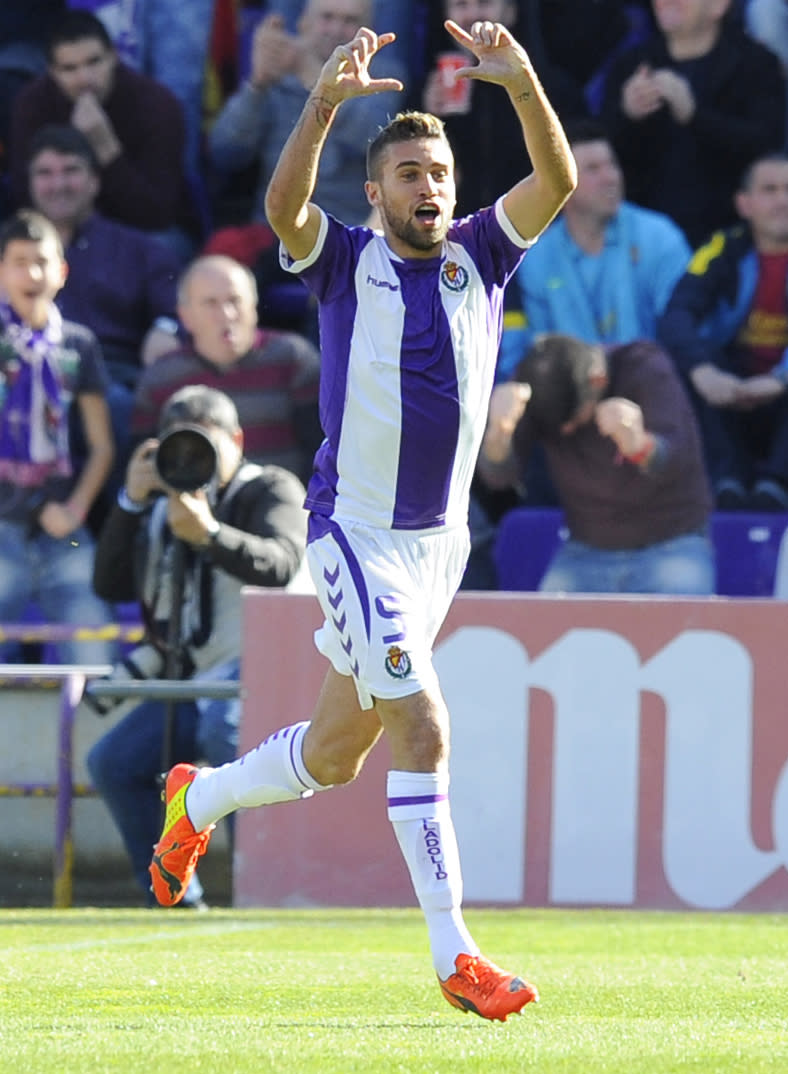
(385, 595)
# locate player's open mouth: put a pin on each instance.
(428, 213)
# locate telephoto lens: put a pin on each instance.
(186, 458)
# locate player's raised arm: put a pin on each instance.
(533, 202)
(344, 75)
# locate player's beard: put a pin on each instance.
(406, 231)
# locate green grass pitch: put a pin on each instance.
(337, 992)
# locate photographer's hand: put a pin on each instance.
(142, 478)
(190, 517)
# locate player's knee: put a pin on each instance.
(334, 759)
(417, 729)
(332, 770)
(335, 753)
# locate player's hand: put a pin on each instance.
(142, 477)
(715, 386)
(677, 94)
(190, 517)
(622, 421)
(90, 118)
(501, 59)
(275, 52)
(640, 95)
(346, 72)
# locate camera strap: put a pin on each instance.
(198, 589)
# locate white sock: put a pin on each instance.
(272, 772)
(418, 808)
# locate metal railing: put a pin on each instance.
(73, 680)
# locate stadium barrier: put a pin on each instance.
(72, 681)
(613, 751)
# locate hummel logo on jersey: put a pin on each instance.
(454, 276)
(382, 283)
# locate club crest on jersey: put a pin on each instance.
(398, 663)
(454, 276)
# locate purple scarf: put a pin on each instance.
(33, 414)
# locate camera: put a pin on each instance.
(186, 458)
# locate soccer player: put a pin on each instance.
(410, 322)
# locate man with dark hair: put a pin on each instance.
(410, 323)
(563, 378)
(245, 526)
(624, 452)
(604, 269)
(134, 125)
(120, 279)
(726, 327)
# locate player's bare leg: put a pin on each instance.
(336, 741)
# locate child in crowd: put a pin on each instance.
(46, 364)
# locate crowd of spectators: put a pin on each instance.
(145, 134)
(642, 378)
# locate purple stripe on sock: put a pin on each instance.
(418, 799)
(294, 765)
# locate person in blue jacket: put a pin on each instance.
(726, 327)
(604, 269)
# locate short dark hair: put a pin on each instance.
(583, 130)
(404, 127)
(76, 25)
(558, 369)
(28, 226)
(197, 404)
(777, 157)
(65, 139)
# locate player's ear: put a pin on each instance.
(372, 190)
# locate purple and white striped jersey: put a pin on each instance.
(408, 353)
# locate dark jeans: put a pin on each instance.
(125, 764)
(745, 444)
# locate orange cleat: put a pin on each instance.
(177, 851)
(480, 986)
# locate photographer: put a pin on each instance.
(193, 518)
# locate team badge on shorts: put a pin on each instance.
(398, 663)
(454, 276)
